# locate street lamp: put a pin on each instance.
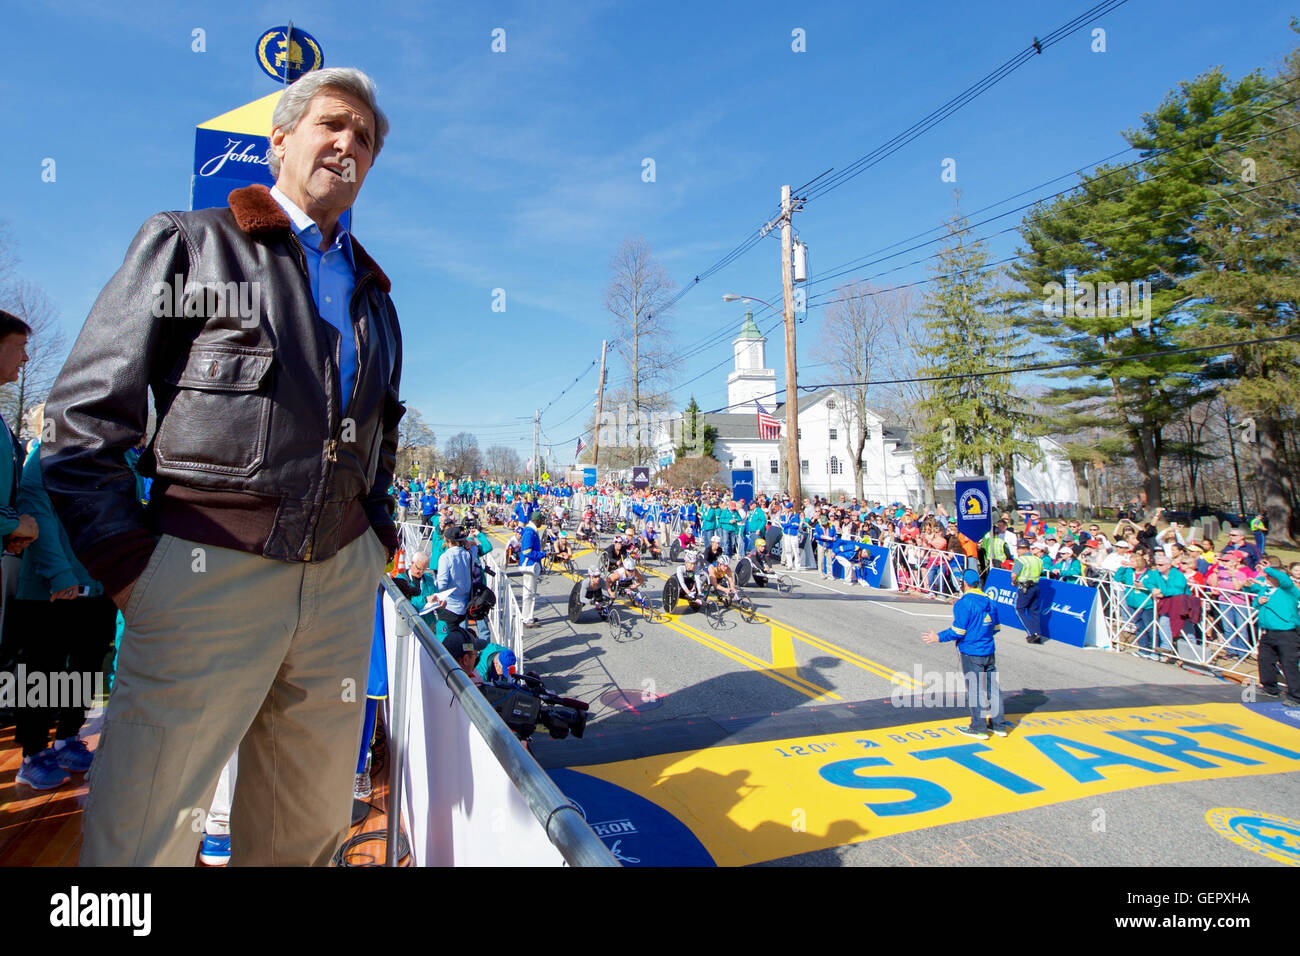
(793, 463)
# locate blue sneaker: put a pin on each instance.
(215, 850)
(74, 755)
(42, 771)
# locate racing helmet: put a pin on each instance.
(593, 571)
(629, 563)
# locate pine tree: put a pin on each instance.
(970, 419)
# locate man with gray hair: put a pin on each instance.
(248, 585)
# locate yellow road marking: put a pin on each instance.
(765, 800)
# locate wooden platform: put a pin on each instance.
(43, 828)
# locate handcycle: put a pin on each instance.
(717, 602)
(746, 572)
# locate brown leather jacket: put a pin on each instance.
(254, 448)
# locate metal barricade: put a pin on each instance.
(927, 570)
(1225, 639)
(563, 822)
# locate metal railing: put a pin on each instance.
(927, 570)
(561, 820)
(1224, 638)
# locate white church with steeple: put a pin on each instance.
(828, 428)
(751, 380)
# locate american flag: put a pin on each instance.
(768, 427)
(581, 445)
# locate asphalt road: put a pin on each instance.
(696, 720)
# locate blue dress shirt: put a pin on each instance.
(333, 278)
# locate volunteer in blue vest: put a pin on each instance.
(974, 629)
(1026, 572)
(530, 561)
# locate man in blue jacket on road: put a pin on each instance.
(973, 628)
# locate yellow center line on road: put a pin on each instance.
(783, 649)
(783, 656)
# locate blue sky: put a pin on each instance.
(522, 170)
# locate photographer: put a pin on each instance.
(454, 573)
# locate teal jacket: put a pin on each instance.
(1135, 596)
(1278, 603)
(428, 587)
(710, 520)
(10, 476)
(757, 521)
(49, 565)
(1174, 584)
(729, 520)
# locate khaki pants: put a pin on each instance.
(221, 647)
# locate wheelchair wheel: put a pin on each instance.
(675, 550)
(746, 607)
(575, 602)
(744, 572)
(618, 623)
(713, 611)
(784, 583)
(604, 562)
(671, 594)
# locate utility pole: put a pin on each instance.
(791, 372)
(600, 407)
(537, 424)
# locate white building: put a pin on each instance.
(827, 429)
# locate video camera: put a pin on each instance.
(525, 704)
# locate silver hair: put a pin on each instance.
(425, 553)
(295, 100)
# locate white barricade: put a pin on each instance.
(927, 570)
(1224, 640)
(459, 805)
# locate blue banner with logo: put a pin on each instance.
(1066, 608)
(974, 509)
(641, 477)
(589, 477)
(872, 563)
(742, 484)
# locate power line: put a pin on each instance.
(926, 123)
(938, 115)
(1038, 367)
(1083, 200)
(975, 271)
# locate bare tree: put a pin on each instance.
(462, 455)
(416, 445)
(639, 298)
(503, 461)
(45, 348)
(851, 337)
(900, 343)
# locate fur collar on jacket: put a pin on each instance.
(259, 215)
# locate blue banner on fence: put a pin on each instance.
(873, 562)
(1065, 608)
(589, 477)
(742, 484)
(974, 516)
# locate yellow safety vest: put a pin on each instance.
(1031, 569)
